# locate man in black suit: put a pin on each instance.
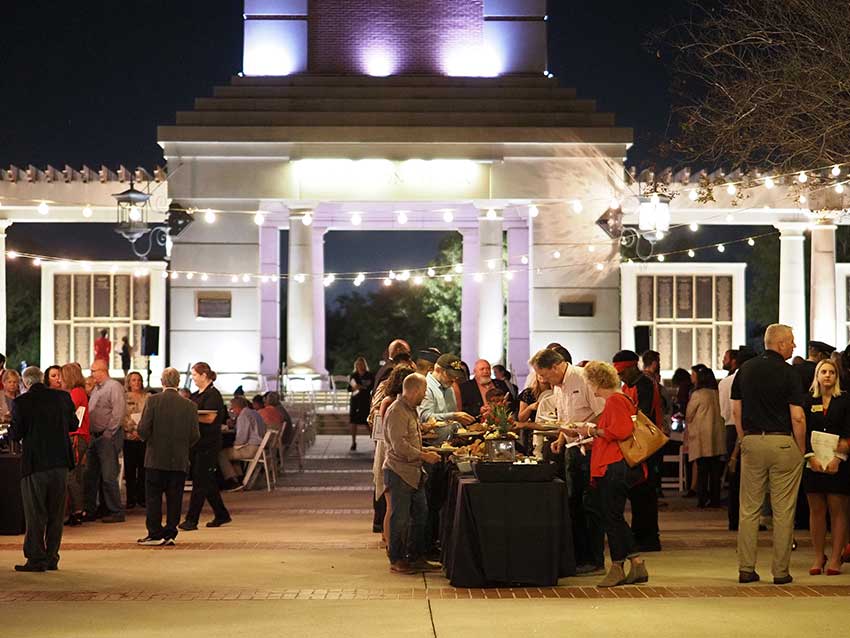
(169, 426)
(41, 421)
(473, 393)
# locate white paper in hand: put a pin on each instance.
(81, 412)
(824, 445)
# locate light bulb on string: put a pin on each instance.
(175, 275)
(478, 277)
(401, 216)
(190, 275)
(491, 264)
(458, 268)
(660, 257)
(491, 214)
(307, 219)
(275, 278)
(356, 219)
(264, 279)
(417, 280)
(209, 216)
(721, 248)
(87, 212)
(614, 203)
(691, 254)
(36, 261)
(839, 188)
(694, 227)
(447, 278)
(388, 281)
(329, 279)
(246, 278)
(43, 208)
(659, 235)
(523, 260)
(769, 182)
(165, 274)
(235, 279)
(533, 211)
(731, 189)
(600, 267)
(391, 275)
(259, 218)
(802, 177)
(693, 195)
(404, 275)
(509, 275)
(12, 254)
(591, 248)
(802, 199)
(836, 170)
(204, 276)
(431, 272)
(578, 207)
(751, 242)
(300, 278)
(448, 216)
(556, 254)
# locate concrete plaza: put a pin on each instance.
(303, 561)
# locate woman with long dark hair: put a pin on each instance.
(360, 384)
(706, 436)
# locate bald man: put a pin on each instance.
(473, 393)
(396, 347)
(767, 400)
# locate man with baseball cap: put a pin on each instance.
(440, 402)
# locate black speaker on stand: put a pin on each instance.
(150, 346)
(642, 338)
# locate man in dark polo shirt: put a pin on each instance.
(767, 399)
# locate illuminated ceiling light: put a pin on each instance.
(556, 254)
(533, 211)
(259, 218)
(246, 278)
(721, 248)
(388, 281)
(12, 254)
(43, 208)
(839, 188)
(751, 242)
(836, 170)
(491, 264)
(491, 214)
(577, 206)
(417, 280)
(769, 182)
(523, 260)
(448, 216)
(209, 216)
(87, 212)
(401, 216)
(235, 279)
(447, 277)
(600, 267)
(693, 195)
(135, 214)
(694, 226)
(431, 272)
(660, 257)
(731, 189)
(458, 268)
(802, 177)
(478, 277)
(307, 219)
(691, 253)
(204, 276)
(356, 219)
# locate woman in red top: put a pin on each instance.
(610, 476)
(74, 382)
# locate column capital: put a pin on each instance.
(788, 230)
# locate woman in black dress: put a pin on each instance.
(204, 454)
(360, 385)
(827, 487)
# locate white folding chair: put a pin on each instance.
(678, 481)
(262, 458)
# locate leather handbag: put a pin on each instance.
(646, 439)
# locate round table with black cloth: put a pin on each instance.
(11, 502)
(836, 420)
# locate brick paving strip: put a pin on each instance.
(442, 593)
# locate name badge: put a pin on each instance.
(817, 408)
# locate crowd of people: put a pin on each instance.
(74, 430)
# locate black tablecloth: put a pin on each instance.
(498, 534)
(11, 505)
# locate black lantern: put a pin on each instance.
(132, 213)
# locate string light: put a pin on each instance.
(36, 261)
(417, 280)
(12, 254)
(246, 278)
(600, 267)
(164, 274)
(660, 257)
(391, 275)
(836, 170)
(694, 227)
(87, 212)
(721, 248)
(533, 211)
(802, 199)
(693, 195)
(577, 207)
(404, 275)
(299, 278)
(356, 219)
(264, 279)
(556, 254)
(190, 275)
(431, 272)
(491, 214)
(691, 253)
(731, 189)
(659, 235)
(614, 203)
(175, 275)
(307, 219)
(235, 279)
(209, 216)
(204, 276)
(329, 279)
(523, 260)
(751, 242)
(839, 188)
(478, 277)
(509, 275)
(448, 216)
(43, 208)
(591, 248)
(401, 216)
(447, 278)
(769, 182)
(491, 264)
(802, 177)
(388, 281)
(259, 218)
(458, 268)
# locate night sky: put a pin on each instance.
(89, 82)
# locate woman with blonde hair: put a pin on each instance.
(610, 477)
(360, 384)
(827, 485)
(74, 383)
(8, 393)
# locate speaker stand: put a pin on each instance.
(148, 368)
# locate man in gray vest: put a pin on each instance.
(169, 426)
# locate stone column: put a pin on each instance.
(4, 224)
(270, 298)
(300, 302)
(469, 298)
(317, 363)
(792, 281)
(491, 310)
(519, 334)
(822, 310)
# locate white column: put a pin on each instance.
(4, 224)
(822, 311)
(300, 311)
(490, 294)
(792, 281)
(519, 323)
(317, 363)
(270, 298)
(469, 298)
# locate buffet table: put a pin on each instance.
(501, 534)
(11, 505)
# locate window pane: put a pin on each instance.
(82, 295)
(62, 297)
(664, 346)
(684, 348)
(724, 299)
(705, 347)
(83, 349)
(664, 302)
(136, 342)
(102, 294)
(705, 306)
(141, 298)
(121, 296)
(684, 297)
(62, 344)
(645, 295)
(118, 332)
(724, 343)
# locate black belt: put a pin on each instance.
(767, 433)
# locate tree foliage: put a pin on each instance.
(762, 84)
(23, 310)
(427, 315)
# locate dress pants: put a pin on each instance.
(102, 467)
(43, 495)
(205, 486)
(709, 474)
(407, 521)
(644, 499)
(733, 478)
(170, 483)
(770, 464)
(134, 471)
(588, 537)
(611, 493)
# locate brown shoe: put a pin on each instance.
(401, 567)
(615, 576)
(637, 574)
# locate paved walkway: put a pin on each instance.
(303, 561)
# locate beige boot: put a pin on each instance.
(615, 576)
(637, 574)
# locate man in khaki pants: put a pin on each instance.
(767, 400)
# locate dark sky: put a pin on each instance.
(89, 82)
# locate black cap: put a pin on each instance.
(427, 355)
(451, 363)
(626, 355)
(821, 347)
